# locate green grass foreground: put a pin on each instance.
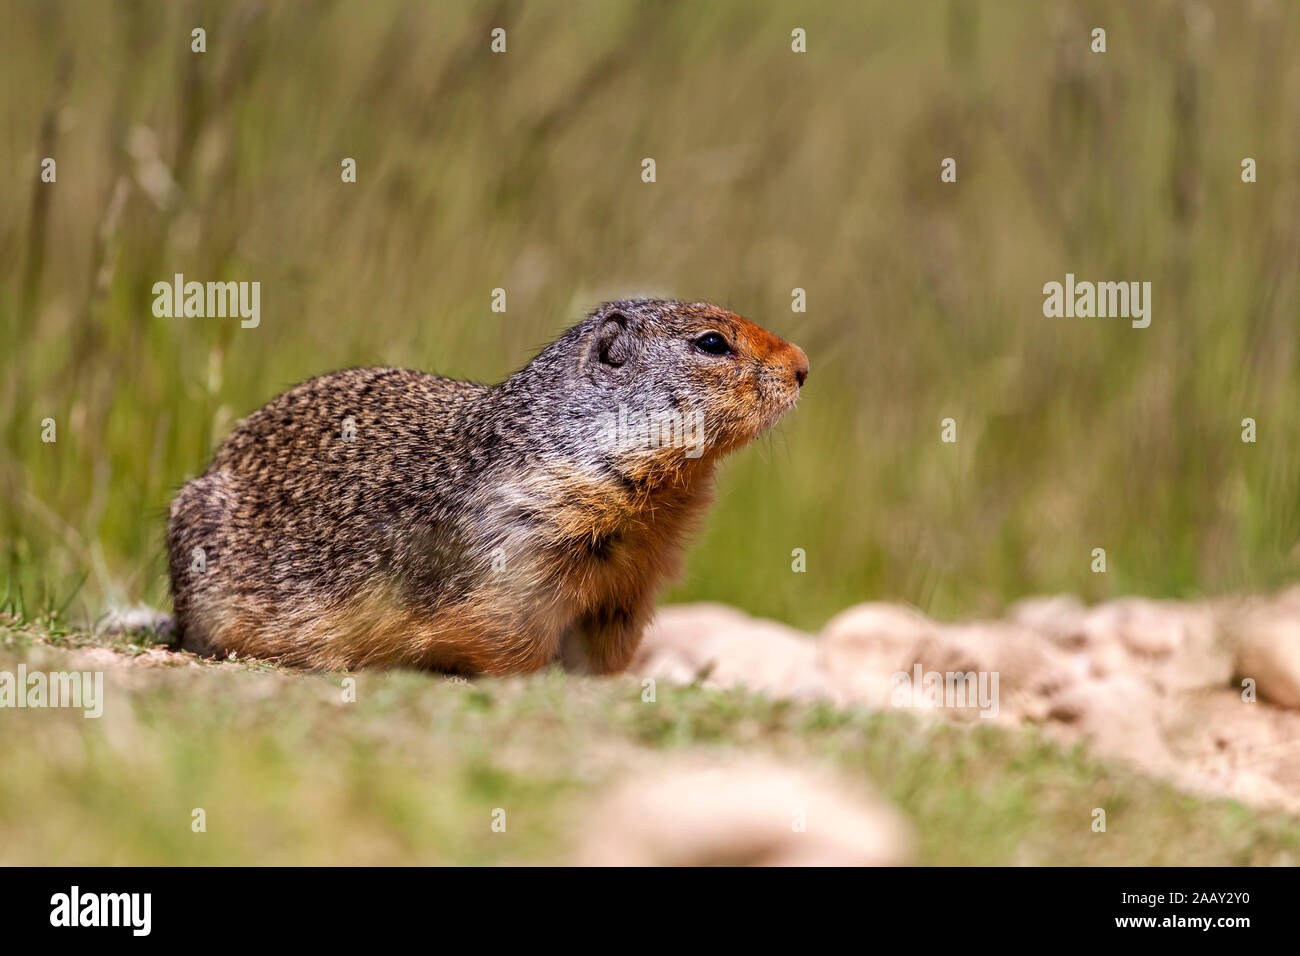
(410, 773)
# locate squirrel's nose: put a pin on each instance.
(798, 364)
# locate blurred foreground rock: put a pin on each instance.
(1204, 693)
(749, 812)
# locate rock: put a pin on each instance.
(876, 626)
(1056, 617)
(1177, 646)
(861, 648)
(1266, 638)
(1245, 750)
(723, 647)
(748, 811)
(1024, 661)
(1118, 715)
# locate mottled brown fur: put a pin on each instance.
(470, 528)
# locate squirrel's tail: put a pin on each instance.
(139, 621)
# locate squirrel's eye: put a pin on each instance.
(713, 343)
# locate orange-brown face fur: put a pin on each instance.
(755, 385)
(471, 528)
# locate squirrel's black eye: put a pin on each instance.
(713, 343)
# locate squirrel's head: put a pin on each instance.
(667, 383)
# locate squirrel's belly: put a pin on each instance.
(478, 634)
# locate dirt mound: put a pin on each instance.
(1205, 693)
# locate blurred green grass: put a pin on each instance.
(775, 171)
(412, 771)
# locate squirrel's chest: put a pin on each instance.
(619, 566)
(588, 545)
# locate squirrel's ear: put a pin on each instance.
(614, 343)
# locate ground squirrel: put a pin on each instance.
(383, 516)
